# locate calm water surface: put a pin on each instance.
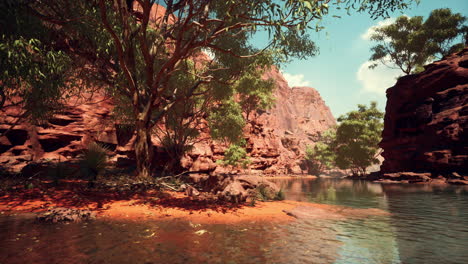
(427, 224)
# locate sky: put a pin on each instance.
(340, 72)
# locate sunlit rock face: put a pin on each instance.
(426, 120)
(297, 118)
(276, 139)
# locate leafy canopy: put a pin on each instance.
(33, 73)
(357, 138)
(322, 155)
(410, 42)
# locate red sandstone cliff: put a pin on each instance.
(426, 122)
(276, 139)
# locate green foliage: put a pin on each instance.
(234, 156)
(378, 8)
(93, 161)
(152, 72)
(279, 196)
(226, 122)
(409, 43)
(322, 155)
(254, 92)
(33, 74)
(357, 138)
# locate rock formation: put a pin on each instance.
(276, 139)
(426, 123)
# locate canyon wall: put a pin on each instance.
(426, 122)
(276, 139)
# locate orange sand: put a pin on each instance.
(171, 205)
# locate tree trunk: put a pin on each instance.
(143, 150)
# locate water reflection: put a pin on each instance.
(428, 224)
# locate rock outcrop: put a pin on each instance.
(276, 139)
(426, 123)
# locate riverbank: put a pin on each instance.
(414, 178)
(145, 205)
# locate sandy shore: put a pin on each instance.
(137, 208)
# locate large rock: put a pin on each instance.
(62, 137)
(426, 120)
(237, 188)
(276, 139)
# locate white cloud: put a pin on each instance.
(295, 80)
(376, 80)
(367, 35)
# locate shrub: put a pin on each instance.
(93, 161)
(279, 196)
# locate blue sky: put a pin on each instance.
(340, 71)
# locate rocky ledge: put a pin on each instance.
(425, 136)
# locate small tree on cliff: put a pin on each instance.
(142, 49)
(357, 137)
(409, 42)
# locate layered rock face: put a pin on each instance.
(276, 139)
(62, 137)
(426, 121)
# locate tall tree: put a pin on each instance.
(357, 137)
(143, 48)
(410, 42)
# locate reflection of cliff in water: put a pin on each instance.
(363, 240)
(359, 194)
(430, 222)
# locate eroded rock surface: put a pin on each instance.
(426, 122)
(276, 139)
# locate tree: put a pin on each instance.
(142, 49)
(235, 155)
(322, 155)
(357, 137)
(255, 93)
(33, 75)
(409, 42)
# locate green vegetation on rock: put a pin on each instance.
(409, 42)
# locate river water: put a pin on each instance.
(425, 224)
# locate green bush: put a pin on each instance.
(93, 161)
(279, 196)
(234, 156)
